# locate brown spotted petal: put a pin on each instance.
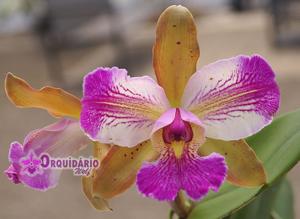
(175, 52)
(100, 150)
(118, 169)
(97, 202)
(244, 167)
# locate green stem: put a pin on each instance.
(181, 206)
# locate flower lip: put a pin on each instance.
(178, 130)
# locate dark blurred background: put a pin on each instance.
(56, 42)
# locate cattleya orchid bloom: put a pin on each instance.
(227, 100)
(183, 132)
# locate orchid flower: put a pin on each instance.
(220, 101)
(60, 139)
(182, 133)
(228, 100)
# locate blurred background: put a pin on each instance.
(56, 42)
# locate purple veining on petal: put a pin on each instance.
(200, 174)
(234, 98)
(118, 109)
(159, 180)
(194, 174)
(60, 139)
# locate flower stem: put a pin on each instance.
(181, 206)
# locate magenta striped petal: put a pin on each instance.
(60, 139)
(200, 174)
(234, 98)
(119, 109)
(195, 175)
(159, 180)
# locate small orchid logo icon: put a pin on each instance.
(31, 165)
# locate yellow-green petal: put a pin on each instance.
(98, 202)
(100, 150)
(119, 167)
(55, 100)
(175, 52)
(244, 167)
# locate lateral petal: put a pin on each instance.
(244, 167)
(118, 109)
(96, 201)
(234, 98)
(118, 169)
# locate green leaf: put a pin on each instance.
(275, 202)
(261, 207)
(278, 145)
(278, 148)
(283, 207)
